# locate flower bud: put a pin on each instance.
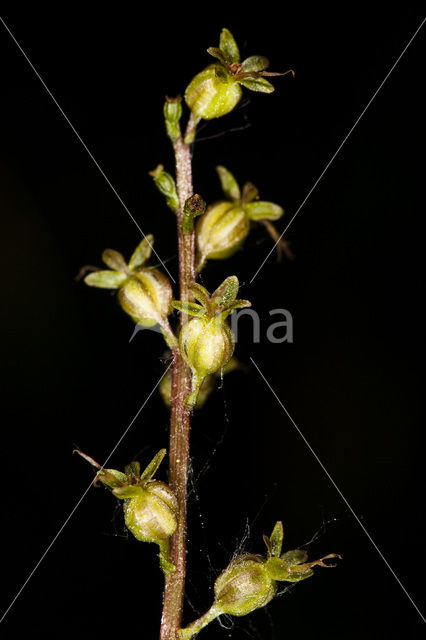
(166, 185)
(206, 342)
(172, 114)
(244, 586)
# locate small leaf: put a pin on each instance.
(150, 470)
(114, 260)
(217, 53)
(229, 184)
(190, 308)
(257, 84)
(105, 279)
(262, 210)
(226, 292)
(255, 63)
(229, 46)
(277, 537)
(142, 253)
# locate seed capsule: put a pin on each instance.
(221, 231)
(212, 93)
(146, 297)
(206, 346)
(206, 342)
(150, 506)
(216, 90)
(244, 586)
(223, 228)
(250, 581)
(143, 293)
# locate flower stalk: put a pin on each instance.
(180, 413)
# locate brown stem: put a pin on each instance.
(180, 414)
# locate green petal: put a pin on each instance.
(114, 260)
(257, 84)
(142, 253)
(262, 210)
(229, 46)
(105, 279)
(255, 63)
(229, 184)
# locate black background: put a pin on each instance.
(351, 380)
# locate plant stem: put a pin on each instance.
(180, 415)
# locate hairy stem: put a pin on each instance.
(180, 418)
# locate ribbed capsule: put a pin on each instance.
(212, 93)
(244, 586)
(221, 231)
(151, 516)
(207, 345)
(206, 342)
(146, 297)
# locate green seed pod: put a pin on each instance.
(221, 231)
(151, 511)
(212, 93)
(143, 293)
(250, 581)
(206, 342)
(216, 90)
(223, 228)
(206, 346)
(146, 297)
(150, 506)
(244, 586)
